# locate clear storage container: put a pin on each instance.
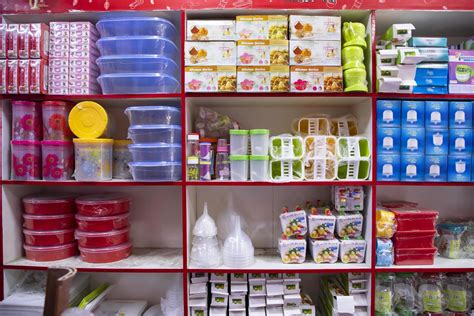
(153, 115)
(142, 83)
(121, 158)
(169, 134)
(55, 120)
(155, 152)
(239, 167)
(48, 222)
(259, 140)
(137, 45)
(46, 238)
(93, 159)
(259, 168)
(137, 64)
(48, 204)
(102, 239)
(156, 171)
(52, 253)
(102, 204)
(26, 160)
(102, 223)
(26, 120)
(58, 159)
(133, 26)
(107, 254)
(239, 141)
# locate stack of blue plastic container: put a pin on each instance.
(138, 56)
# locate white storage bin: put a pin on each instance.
(313, 126)
(353, 168)
(259, 139)
(286, 147)
(353, 147)
(286, 170)
(259, 168)
(239, 167)
(239, 141)
(344, 126)
(320, 146)
(320, 169)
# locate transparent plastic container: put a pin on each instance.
(155, 152)
(48, 222)
(102, 204)
(137, 45)
(93, 159)
(58, 160)
(137, 64)
(239, 167)
(102, 239)
(259, 141)
(133, 26)
(121, 158)
(153, 115)
(238, 250)
(102, 223)
(156, 171)
(26, 160)
(48, 204)
(143, 83)
(55, 120)
(26, 121)
(206, 252)
(169, 134)
(53, 253)
(259, 168)
(42, 238)
(107, 254)
(239, 141)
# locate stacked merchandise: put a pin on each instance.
(121, 159)
(455, 239)
(172, 303)
(353, 52)
(461, 77)
(156, 149)
(138, 55)
(466, 45)
(292, 243)
(199, 293)
(23, 58)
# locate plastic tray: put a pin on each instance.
(48, 222)
(408, 220)
(415, 256)
(42, 238)
(153, 115)
(50, 253)
(102, 204)
(169, 134)
(155, 152)
(102, 239)
(414, 239)
(102, 223)
(132, 26)
(138, 83)
(108, 254)
(137, 64)
(48, 204)
(137, 45)
(159, 171)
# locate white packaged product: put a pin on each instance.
(210, 30)
(121, 307)
(209, 53)
(352, 251)
(261, 27)
(324, 251)
(317, 53)
(315, 27)
(349, 225)
(259, 168)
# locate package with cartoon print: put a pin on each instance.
(261, 27)
(316, 79)
(293, 223)
(210, 79)
(324, 251)
(209, 53)
(315, 53)
(210, 30)
(292, 250)
(321, 222)
(262, 52)
(305, 27)
(352, 250)
(348, 198)
(349, 225)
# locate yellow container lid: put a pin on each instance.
(93, 140)
(122, 142)
(88, 120)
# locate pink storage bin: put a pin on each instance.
(26, 120)
(26, 160)
(58, 160)
(55, 120)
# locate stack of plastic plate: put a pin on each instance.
(238, 251)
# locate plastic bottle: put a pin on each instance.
(222, 160)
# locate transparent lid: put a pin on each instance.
(80, 233)
(205, 225)
(48, 199)
(47, 217)
(51, 248)
(47, 232)
(101, 218)
(95, 199)
(107, 249)
(152, 108)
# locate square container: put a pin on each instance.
(93, 159)
(349, 225)
(239, 139)
(102, 223)
(459, 168)
(413, 113)
(48, 204)
(169, 134)
(413, 140)
(137, 45)
(415, 238)
(409, 220)
(53, 253)
(26, 160)
(102, 239)
(324, 251)
(47, 238)
(437, 141)
(137, 64)
(388, 167)
(55, 120)
(321, 226)
(460, 141)
(155, 152)
(460, 114)
(292, 250)
(436, 114)
(138, 83)
(259, 168)
(26, 121)
(259, 141)
(153, 115)
(239, 167)
(412, 168)
(102, 205)
(48, 222)
(58, 160)
(121, 158)
(415, 256)
(156, 171)
(436, 168)
(352, 251)
(388, 140)
(107, 254)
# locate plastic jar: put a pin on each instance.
(52, 253)
(239, 141)
(58, 159)
(55, 120)
(153, 115)
(239, 167)
(26, 160)
(46, 238)
(48, 222)
(102, 205)
(102, 223)
(259, 168)
(48, 204)
(121, 158)
(107, 254)
(26, 120)
(88, 120)
(259, 141)
(102, 239)
(93, 159)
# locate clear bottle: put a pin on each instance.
(222, 160)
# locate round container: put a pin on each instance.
(48, 222)
(55, 120)
(239, 167)
(102, 239)
(169, 134)
(259, 141)
(26, 120)
(105, 255)
(137, 45)
(155, 152)
(353, 34)
(137, 64)
(50, 253)
(259, 168)
(156, 171)
(121, 158)
(93, 159)
(239, 141)
(102, 223)
(58, 159)
(133, 26)
(26, 160)
(352, 54)
(153, 115)
(40, 238)
(355, 80)
(102, 205)
(140, 83)
(48, 204)
(88, 120)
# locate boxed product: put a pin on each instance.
(12, 76)
(434, 83)
(430, 90)
(324, 251)
(209, 53)
(12, 41)
(292, 286)
(459, 168)
(275, 300)
(3, 40)
(210, 30)
(461, 74)
(413, 140)
(217, 311)
(294, 223)
(460, 141)
(398, 33)
(262, 52)
(238, 288)
(436, 168)
(403, 72)
(460, 114)
(274, 311)
(257, 311)
(349, 225)
(257, 301)
(388, 140)
(315, 27)
(293, 300)
(436, 114)
(292, 250)
(23, 41)
(409, 56)
(413, 113)
(317, 53)
(308, 310)
(3, 76)
(395, 85)
(219, 287)
(434, 54)
(263, 79)
(437, 141)
(387, 57)
(23, 77)
(352, 250)
(321, 226)
(348, 198)
(238, 278)
(412, 167)
(218, 277)
(431, 70)
(316, 79)
(388, 167)
(274, 277)
(389, 113)
(257, 288)
(198, 290)
(290, 276)
(237, 313)
(237, 302)
(198, 311)
(274, 289)
(210, 79)
(256, 276)
(261, 27)
(199, 277)
(219, 300)
(428, 41)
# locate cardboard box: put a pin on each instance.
(23, 76)
(3, 76)
(38, 41)
(413, 140)
(292, 286)
(436, 114)
(237, 302)
(316, 79)
(434, 54)
(388, 140)
(210, 54)
(257, 311)
(274, 277)
(240, 288)
(220, 300)
(274, 311)
(198, 302)
(461, 74)
(428, 41)
(198, 311)
(210, 78)
(219, 287)
(199, 277)
(263, 79)
(257, 301)
(293, 300)
(261, 27)
(317, 53)
(437, 141)
(3, 40)
(430, 90)
(389, 113)
(409, 56)
(431, 82)
(238, 278)
(387, 57)
(308, 310)
(12, 76)
(12, 41)
(459, 168)
(291, 276)
(275, 300)
(237, 313)
(431, 70)
(198, 289)
(398, 33)
(257, 287)
(23, 41)
(388, 167)
(412, 168)
(256, 276)
(460, 114)
(436, 168)
(413, 113)
(275, 288)
(395, 85)
(262, 52)
(306, 27)
(210, 30)
(217, 311)
(324, 251)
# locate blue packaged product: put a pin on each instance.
(412, 140)
(434, 54)
(430, 90)
(388, 140)
(459, 168)
(460, 114)
(428, 42)
(436, 114)
(460, 141)
(384, 252)
(432, 81)
(436, 168)
(388, 113)
(472, 169)
(431, 70)
(412, 168)
(388, 167)
(437, 141)
(413, 113)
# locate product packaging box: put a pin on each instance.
(388, 140)
(436, 114)
(292, 286)
(12, 76)
(324, 251)
(257, 288)
(412, 140)
(305, 27)
(403, 72)
(257, 301)
(424, 71)
(238, 288)
(263, 78)
(430, 90)
(412, 168)
(217, 311)
(461, 74)
(219, 287)
(409, 56)
(274, 311)
(274, 289)
(39, 40)
(413, 113)
(210, 30)
(210, 54)
(199, 277)
(316, 79)
(395, 85)
(257, 311)
(398, 33)
(237, 302)
(460, 141)
(219, 277)
(261, 27)
(428, 41)
(256, 277)
(3, 40)
(460, 114)
(293, 300)
(198, 311)
(23, 76)
(198, 290)
(220, 300)
(434, 54)
(317, 53)
(23, 41)
(388, 167)
(262, 52)
(236, 278)
(459, 168)
(387, 57)
(389, 113)
(210, 78)
(435, 82)
(12, 41)
(437, 141)
(275, 300)
(3, 76)
(352, 250)
(291, 276)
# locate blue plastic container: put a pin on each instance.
(137, 84)
(168, 134)
(155, 171)
(155, 152)
(153, 115)
(134, 45)
(132, 26)
(137, 64)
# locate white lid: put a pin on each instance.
(205, 225)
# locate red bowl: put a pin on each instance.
(102, 239)
(48, 222)
(47, 238)
(108, 254)
(50, 253)
(102, 223)
(102, 205)
(48, 204)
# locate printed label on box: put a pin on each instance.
(261, 27)
(388, 140)
(436, 168)
(315, 27)
(412, 168)
(316, 79)
(262, 52)
(318, 53)
(210, 53)
(388, 167)
(413, 140)
(459, 168)
(210, 79)
(389, 113)
(12, 76)
(209, 30)
(437, 141)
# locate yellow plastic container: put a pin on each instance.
(88, 120)
(93, 159)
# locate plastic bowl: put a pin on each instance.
(50, 253)
(102, 223)
(46, 238)
(169, 134)
(137, 64)
(156, 171)
(137, 45)
(108, 254)
(102, 239)
(155, 152)
(48, 222)
(132, 26)
(144, 83)
(153, 115)
(48, 204)
(102, 204)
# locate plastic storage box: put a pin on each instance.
(102, 239)
(286, 170)
(26, 121)
(259, 168)
(155, 152)
(48, 204)
(169, 134)
(93, 159)
(156, 171)
(259, 140)
(153, 115)
(286, 147)
(320, 169)
(415, 256)
(102, 223)
(107, 254)
(320, 146)
(239, 167)
(414, 239)
(26, 160)
(137, 45)
(137, 64)
(140, 83)
(102, 205)
(239, 141)
(46, 238)
(58, 159)
(132, 26)
(48, 222)
(408, 220)
(55, 118)
(52, 253)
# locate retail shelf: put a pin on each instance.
(277, 94)
(423, 96)
(440, 265)
(89, 97)
(72, 183)
(426, 184)
(262, 184)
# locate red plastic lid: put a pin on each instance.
(80, 233)
(415, 233)
(55, 103)
(23, 103)
(101, 218)
(417, 213)
(48, 199)
(398, 204)
(26, 142)
(107, 249)
(102, 199)
(61, 143)
(416, 251)
(50, 248)
(47, 232)
(47, 217)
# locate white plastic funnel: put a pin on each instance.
(205, 226)
(238, 251)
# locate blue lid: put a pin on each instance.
(125, 19)
(161, 126)
(153, 145)
(134, 57)
(134, 75)
(135, 38)
(155, 164)
(152, 107)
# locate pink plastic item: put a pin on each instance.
(108, 254)
(48, 222)
(55, 120)
(48, 204)
(26, 120)
(102, 204)
(26, 160)
(50, 253)
(58, 160)
(102, 223)
(47, 238)
(102, 239)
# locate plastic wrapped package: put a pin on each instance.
(48, 204)
(458, 295)
(449, 240)
(383, 294)
(468, 241)
(415, 219)
(349, 225)
(405, 294)
(430, 293)
(384, 252)
(348, 198)
(211, 124)
(386, 224)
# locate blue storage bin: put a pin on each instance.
(134, 45)
(138, 84)
(137, 64)
(132, 26)
(153, 115)
(155, 171)
(169, 134)
(155, 152)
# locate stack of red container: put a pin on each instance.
(49, 224)
(103, 230)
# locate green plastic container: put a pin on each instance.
(355, 80)
(353, 34)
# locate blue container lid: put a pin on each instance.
(136, 75)
(155, 164)
(152, 107)
(161, 126)
(135, 38)
(153, 145)
(145, 19)
(137, 57)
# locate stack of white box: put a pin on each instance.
(219, 294)
(238, 294)
(198, 294)
(59, 41)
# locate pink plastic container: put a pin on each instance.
(415, 219)
(102, 205)
(415, 256)
(55, 120)
(48, 204)
(47, 238)
(50, 253)
(108, 254)
(102, 239)
(48, 222)
(102, 223)
(26, 160)
(58, 160)
(26, 120)
(414, 239)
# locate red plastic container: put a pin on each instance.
(48, 222)
(102, 239)
(46, 238)
(398, 204)
(48, 205)
(414, 239)
(50, 253)
(102, 205)
(102, 223)
(409, 220)
(415, 256)
(108, 254)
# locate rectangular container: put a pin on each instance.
(210, 30)
(210, 79)
(209, 54)
(436, 168)
(460, 141)
(414, 239)
(388, 167)
(261, 27)
(316, 79)
(263, 79)
(415, 256)
(461, 77)
(428, 41)
(434, 54)
(431, 70)
(415, 219)
(262, 52)
(306, 27)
